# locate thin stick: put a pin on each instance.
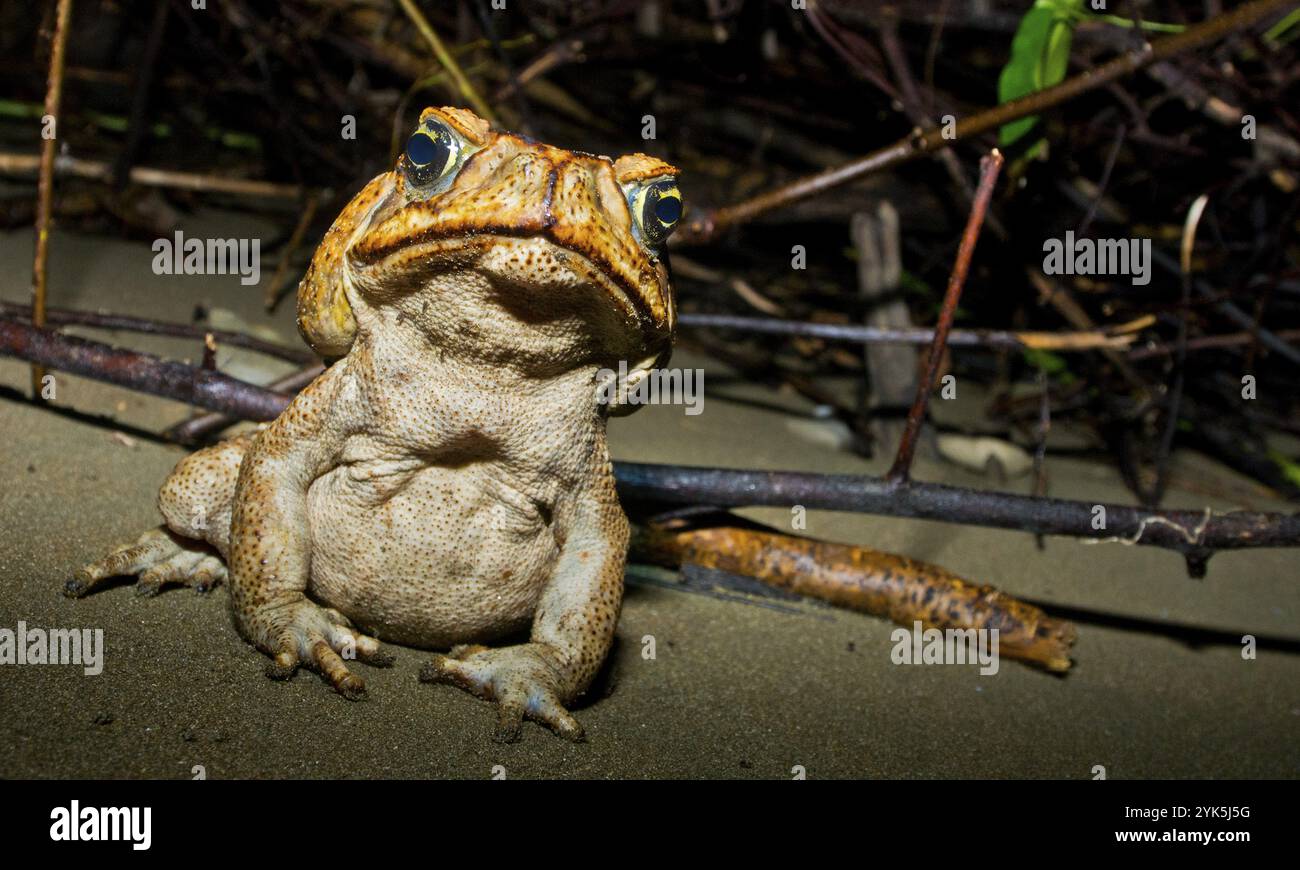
(191, 430)
(708, 226)
(1175, 398)
(45, 184)
(448, 62)
(990, 166)
(1208, 342)
(139, 371)
(273, 290)
(95, 170)
(128, 323)
(1118, 337)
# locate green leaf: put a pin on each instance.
(1289, 469)
(1040, 57)
(1051, 364)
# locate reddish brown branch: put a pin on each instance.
(990, 166)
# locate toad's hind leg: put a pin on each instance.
(196, 502)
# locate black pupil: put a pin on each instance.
(668, 210)
(427, 154)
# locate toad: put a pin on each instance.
(445, 482)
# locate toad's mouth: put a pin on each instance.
(646, 303)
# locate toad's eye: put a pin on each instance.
(432, 153)
(656, 207)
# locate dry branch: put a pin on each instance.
(45, 184)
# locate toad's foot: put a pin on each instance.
(295, 631)
(160, 557)
(524, 680)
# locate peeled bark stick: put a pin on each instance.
(891, 368)
(882, 584)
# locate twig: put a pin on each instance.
(1208, 342)
(274, 290)
(444, 57)
(709, 225)
(557, 54)
(139, 371)
(1116, 337)
(142, 87)
(1053, 293)
(990, 166)
(192, 430)
(1174, 403)
(912, 105)
(24, 164)
(128, 323)
(45, 184)
(1103, 183)
(1265, 337)
(1040, 441)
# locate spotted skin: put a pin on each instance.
(446, 482)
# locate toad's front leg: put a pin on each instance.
(270, 556)
(573, 626)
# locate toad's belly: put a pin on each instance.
(428, 558)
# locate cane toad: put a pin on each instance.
(446, 481)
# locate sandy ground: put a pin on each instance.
(737, 689)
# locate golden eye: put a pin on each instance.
(656, 207)
(432, 153)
